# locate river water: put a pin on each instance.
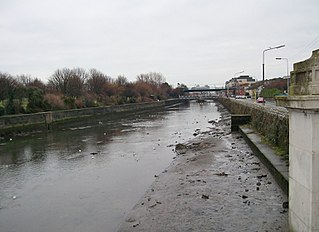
(87, 177)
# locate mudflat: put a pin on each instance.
(215, 183)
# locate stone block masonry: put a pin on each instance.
(272, 122)
(239, 119)
(46, 120)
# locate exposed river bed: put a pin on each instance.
(88, 177)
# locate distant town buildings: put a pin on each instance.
(248, 86)
(200, 87)
(239, 85)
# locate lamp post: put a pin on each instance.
(263, 66)
(238, 73)
(286, 59)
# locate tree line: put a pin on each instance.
(78, 88)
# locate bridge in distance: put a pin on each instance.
(201, 94)
(205, 90)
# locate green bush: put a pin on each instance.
(36, 101)
(270, 93)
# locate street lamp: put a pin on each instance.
(238, 73)
(286, 59)
(263, 66)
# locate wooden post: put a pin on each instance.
(48, 120)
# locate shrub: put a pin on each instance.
(90, 100)
(55, 101)
(79, 103)
(269, 93)
(36, 101)
(69, 102)
(2, 110)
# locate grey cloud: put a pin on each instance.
(193, 42)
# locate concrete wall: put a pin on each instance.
(11, 123)
(272, 123)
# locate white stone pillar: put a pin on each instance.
(304, 167)
(304, 146)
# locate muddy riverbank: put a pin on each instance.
(215, 183)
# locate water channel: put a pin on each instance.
(87, 177)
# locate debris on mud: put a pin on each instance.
(261, 176)
(221, 174)
(285, 205)
(206, 197)
(180, 147)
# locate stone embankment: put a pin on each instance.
(46, 120)
(268, 120)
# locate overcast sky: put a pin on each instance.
(188, 41)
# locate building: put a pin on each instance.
(275, 83)
(239, 85)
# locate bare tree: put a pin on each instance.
(69, 82)
(157, 78)
(121, 80)
(76, 84)
(143, 78)
(24, 79)
(38, 84)
(81, 74)
(28, 81)
(59, 80)
(97, 81)
(152, 78)
(8, 86)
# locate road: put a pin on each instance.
(271, 105)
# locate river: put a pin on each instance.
(87, 177)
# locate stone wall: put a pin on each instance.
(271, 122)
(305, 77)
(19, 123)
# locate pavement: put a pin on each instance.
(215, 183)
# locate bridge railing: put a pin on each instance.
(195, 97)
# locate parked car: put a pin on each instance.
(261, 100)
(240, 97)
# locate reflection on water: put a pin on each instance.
(87, 177)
